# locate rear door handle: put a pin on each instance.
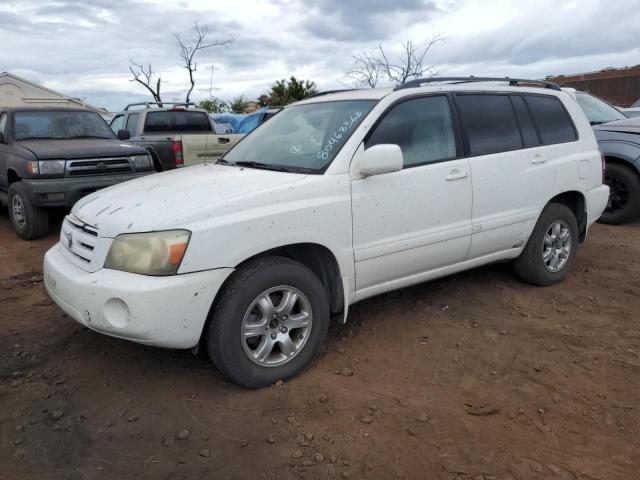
(456, 175)
(538, 159)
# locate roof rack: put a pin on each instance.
(159, 104)
(513, 82)
(327, 92)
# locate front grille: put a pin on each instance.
(78, 238)
(98, 166)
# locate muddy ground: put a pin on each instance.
(477, 376)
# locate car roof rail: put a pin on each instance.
(159, 104)
(513, 82)
(328, 92)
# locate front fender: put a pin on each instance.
(317, 211)
(624, 150)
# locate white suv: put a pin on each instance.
(339, 197)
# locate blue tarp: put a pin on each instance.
(251, 121)
(232, 119)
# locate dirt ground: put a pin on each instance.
(477, 376)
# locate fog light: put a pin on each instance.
(116, 312)
(55, 196)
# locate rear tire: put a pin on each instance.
(28, 221)
(624, 199)
(254, 337)
(551, 249)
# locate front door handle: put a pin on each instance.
(456, 175)
(223, 140)
(538, 159)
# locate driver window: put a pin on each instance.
(422, 127)
(117, 123)
(132, 124)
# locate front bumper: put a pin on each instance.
(161, 311)
(64, 192)
(597, 199)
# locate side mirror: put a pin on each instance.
(124, 134)
(380, 159)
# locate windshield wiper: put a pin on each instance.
(36, 137)
(88, 136)
(263, 166)
(600, 122)
(268, 166)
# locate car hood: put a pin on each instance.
(628, 125)
(179, 198)
(80, 148)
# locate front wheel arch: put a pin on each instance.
(317, 258)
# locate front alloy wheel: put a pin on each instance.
(269, 321)
(624, 194)
(618, 195)
(17, 207)
(28, 221)
(276, 326)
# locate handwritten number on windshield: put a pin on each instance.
(337, 135)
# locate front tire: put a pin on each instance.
(551, 249)
(28, 221)
(269, 322)
(624, 198)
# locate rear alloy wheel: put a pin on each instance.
(552, 247)
(556, 247)
(624, 196)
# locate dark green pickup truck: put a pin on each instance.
(51, 157)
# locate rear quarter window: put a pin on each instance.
(552, 119)
(177, 122)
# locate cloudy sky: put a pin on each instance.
(83, 47)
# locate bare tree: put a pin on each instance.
(410, 63)
(365, 70)
(188, 51)
(144, 76)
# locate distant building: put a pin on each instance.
(19, 92)
(619, 86)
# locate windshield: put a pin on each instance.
(60, 124)
(598, 111)
(302, 138)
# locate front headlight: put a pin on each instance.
(51, 167)
(141, 162)
(153, 253)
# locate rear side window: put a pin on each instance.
(423, 129)
(177, 121)
(527, 128)
(552, 119)
(3, 123)
(132, 123)
(489, 122)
